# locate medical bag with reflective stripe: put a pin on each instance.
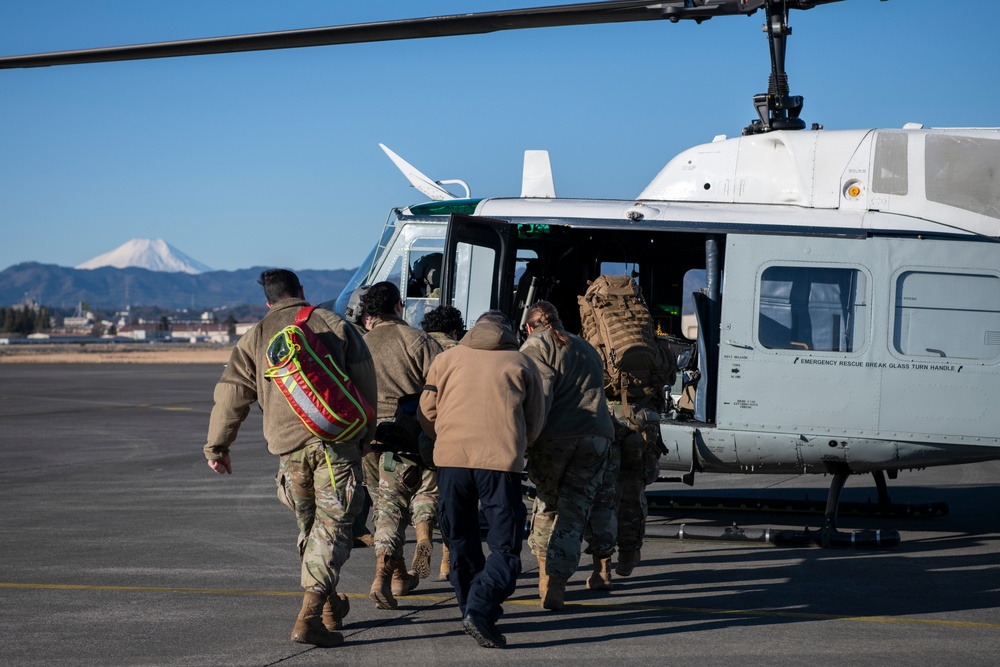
(319, 392)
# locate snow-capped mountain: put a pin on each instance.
(152, 254)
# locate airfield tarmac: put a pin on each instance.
(118, 546)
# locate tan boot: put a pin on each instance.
(627, 560)
(381, 591)
(336, 608)
(445, 563)
(555, 591)
(422, 554)
(309, 625)
(543, 577)
(600, 579)
(403, 582)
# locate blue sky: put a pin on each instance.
(272, 158)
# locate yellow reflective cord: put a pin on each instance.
(333, 481)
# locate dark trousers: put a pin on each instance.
(482, 584)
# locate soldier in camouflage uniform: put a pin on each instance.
(445, 325)
(568, 458)
(636, 387)
(640, 454)
(618, 515)
(407, 488)
(316, 479)
(369, 463)
(601, 533)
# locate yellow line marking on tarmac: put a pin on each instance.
(802, 615)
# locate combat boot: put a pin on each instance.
(445, 563)
(309, 625)
(422, 554)
(336, 608)
(555, 591)
(543, 577)
(403, 582)
(381, 591)
(627, 560)
(600, 579)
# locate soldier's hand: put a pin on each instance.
(223, 465)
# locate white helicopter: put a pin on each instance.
(850, 319)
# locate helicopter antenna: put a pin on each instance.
(776, 109)
(433, 189)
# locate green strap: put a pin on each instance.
(333, 480)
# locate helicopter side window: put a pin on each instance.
(694, 282)
(947, 316)
(812, 308)
(620, 269)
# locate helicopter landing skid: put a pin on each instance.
(858, 539)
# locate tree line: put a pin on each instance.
(24, 320)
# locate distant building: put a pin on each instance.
(82, 321)
(148, 331)
(195, 332)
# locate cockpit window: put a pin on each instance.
(424, 274)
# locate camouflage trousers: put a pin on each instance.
(618, 515)
(630, 494)
(407, 493)
(324, 508)
(566, 473)
(369, 471)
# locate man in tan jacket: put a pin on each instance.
(483, 404)
(316, 479)
(402, 487)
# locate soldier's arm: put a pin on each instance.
(234, 394)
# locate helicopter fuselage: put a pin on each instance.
(842, 289)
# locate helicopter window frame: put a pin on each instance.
(935, 295)
(851, 337)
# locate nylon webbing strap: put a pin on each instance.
(329, 467)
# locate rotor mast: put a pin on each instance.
(776, 109)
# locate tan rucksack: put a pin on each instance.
(616, 321)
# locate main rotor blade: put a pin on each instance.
(609, 11)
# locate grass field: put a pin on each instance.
(107, 353)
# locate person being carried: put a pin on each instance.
(483, 403)
(318, 480)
